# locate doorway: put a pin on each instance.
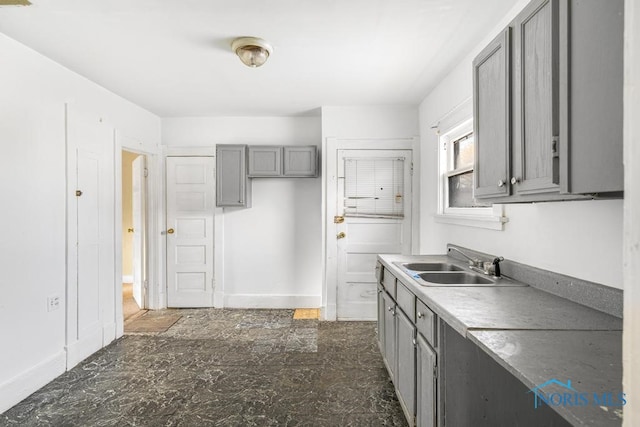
(134, 235)
(370, 210)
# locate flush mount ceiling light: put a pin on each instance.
(252, 51)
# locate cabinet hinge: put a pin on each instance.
(146, 284)
(411, 170)
(435, 372)
(555, 150)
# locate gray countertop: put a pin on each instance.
(535, 335)
(591, 360)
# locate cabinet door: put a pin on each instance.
(265, 161)
(535, 124)
(426, 384)
(381, 318)
(301, 161)
(389, 333)
(231, 176)
(491, 107)
(405, 380)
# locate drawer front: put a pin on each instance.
(389, 282)
(426, 323)
(407, 301)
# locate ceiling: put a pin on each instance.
(173, 58)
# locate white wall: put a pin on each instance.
(580, 239)
(272, 251)
(32, 185)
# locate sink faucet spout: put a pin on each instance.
(472, 261)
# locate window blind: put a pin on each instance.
(374, 187)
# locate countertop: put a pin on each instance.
(533, 334)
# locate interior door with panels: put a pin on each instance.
(190, 216)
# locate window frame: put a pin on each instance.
(490, 217)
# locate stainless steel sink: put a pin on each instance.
(431, 266)
(461, 278)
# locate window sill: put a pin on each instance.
(489, 222)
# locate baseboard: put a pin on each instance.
(80, 350)
(108, 333)
(127, 279)
(329, 312)
(23, 385)
(271, 301)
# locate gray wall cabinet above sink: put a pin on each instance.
(548, 104)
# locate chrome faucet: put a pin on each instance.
(473, 262)
(491, 268)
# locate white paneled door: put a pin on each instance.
(374, 217)
(138, 223)
(91, 277)
(190, 211)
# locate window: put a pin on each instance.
(456, 202)
(373, 187)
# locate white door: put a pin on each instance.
(138, 223)
(190, 210)
(374, 205)
(91, 275)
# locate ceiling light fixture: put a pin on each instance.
(252, 51)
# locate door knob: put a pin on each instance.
(341, 235)
(129, 230)
(170, 231)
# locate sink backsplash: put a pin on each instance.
(597, 296)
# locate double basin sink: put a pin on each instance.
(447, 274)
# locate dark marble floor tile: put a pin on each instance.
(225, 368)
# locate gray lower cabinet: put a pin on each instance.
(426, 370)
(233, 189)
(389, 344)
(409, 357)
(405, 375)
(548, 104)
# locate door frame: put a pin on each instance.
(330, 164)
(151, 297)
(218, 225)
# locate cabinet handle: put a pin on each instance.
(501, 183)
(515, 180)
(420, 315)
(389, 308)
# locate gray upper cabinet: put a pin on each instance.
(491, 88)
(301, 161)
(288, 161)
(535, 96)
(232, 186)
(265, 161)
(563, 107)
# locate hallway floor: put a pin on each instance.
(225, 368)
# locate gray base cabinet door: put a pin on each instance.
(406, 364)
(380, 319)
(389, 333)
(426, 383)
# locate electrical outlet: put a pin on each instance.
(53, 303)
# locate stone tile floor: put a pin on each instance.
(225, 368)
